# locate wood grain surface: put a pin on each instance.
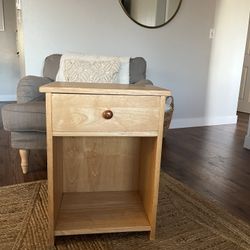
(101, 212)
(100, 163)
(104, 88)
(76, 113)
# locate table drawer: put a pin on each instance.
(104, 113)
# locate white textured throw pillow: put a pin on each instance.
(91, 71)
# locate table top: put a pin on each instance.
(104, 88)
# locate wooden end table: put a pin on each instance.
(104, 150)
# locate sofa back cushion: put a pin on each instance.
(137, 68)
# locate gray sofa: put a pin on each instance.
(26, 118)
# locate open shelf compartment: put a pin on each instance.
(103, 184)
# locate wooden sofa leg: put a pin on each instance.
(24, 154)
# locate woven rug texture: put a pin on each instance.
(185, 221)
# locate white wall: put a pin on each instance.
(227, 56)
(9, 68)
(177, 54)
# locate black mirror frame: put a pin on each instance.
(151, 27)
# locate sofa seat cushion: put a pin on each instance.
(28, 140)
(24, 117)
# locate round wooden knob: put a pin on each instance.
(107, 114)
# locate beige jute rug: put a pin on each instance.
(185, 221)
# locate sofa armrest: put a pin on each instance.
(28, 88)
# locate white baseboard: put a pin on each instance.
(203, 121)
(7, 98)
(247, 142)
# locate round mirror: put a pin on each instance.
(151, 13)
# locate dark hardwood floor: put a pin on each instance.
(210, 160)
